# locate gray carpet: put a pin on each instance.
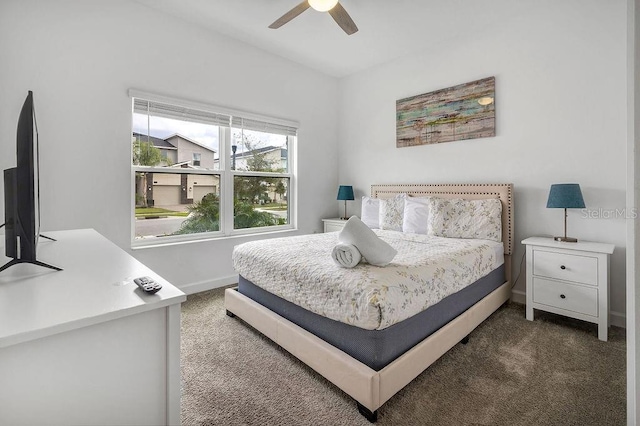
(553, 371)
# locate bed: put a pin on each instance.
(367, 355)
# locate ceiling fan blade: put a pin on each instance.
(343, 19)
(290, 15)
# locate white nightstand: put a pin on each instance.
(333, 224)
(570, 279)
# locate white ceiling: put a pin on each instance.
(388, 29)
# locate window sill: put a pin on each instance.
(164, 242)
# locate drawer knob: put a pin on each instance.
(563, 267)
(562, 296)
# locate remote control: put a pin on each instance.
(147, 285)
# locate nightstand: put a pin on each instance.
(570, 279)
(333, 224)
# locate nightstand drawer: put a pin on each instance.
(565, 296)
(566, 267)
(333, 224)
(332, 227)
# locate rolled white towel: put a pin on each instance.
(370, 246)
(346, 255)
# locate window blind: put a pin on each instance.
(262, 126)
(142, 106)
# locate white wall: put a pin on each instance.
(560, 117)
(80, 58)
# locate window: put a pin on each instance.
(201, 171)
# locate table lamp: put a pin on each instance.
(345, 193)
(565, 196)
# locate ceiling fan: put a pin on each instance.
(335, 9)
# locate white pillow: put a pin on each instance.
(392, 212)
(458, 218)
(416, 215)
(370, 213)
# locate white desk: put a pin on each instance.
(85, 345)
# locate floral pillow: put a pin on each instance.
(458, 218)
(392, 212)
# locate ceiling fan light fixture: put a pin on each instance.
(323, 5)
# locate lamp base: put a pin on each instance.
(566, 239)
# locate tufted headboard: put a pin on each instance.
(474, 191)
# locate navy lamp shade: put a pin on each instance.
(565, 196)
(345, 192)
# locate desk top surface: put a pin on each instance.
(95, 285)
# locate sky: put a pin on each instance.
(205, 134)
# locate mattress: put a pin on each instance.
(425, 271)
(378, 348)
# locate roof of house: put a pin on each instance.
(183, 165)
(165, 144)
(177, 135)
(157, 142)
(264, 150)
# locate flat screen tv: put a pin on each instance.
(22, 194)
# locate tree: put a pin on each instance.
(144, 154)
(248, 217)
(280, 188)
(259, 162)
(250, 190)
(204, 216)
(254, 189)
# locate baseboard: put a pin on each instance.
(209, 284)
(617, 319)
(519, 296)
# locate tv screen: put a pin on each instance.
(22, 193)
(26, 171)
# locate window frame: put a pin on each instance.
(225, 173)
(196, 157)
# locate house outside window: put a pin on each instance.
(201, 171)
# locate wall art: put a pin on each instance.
(465, 111)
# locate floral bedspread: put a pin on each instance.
(426, 270)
